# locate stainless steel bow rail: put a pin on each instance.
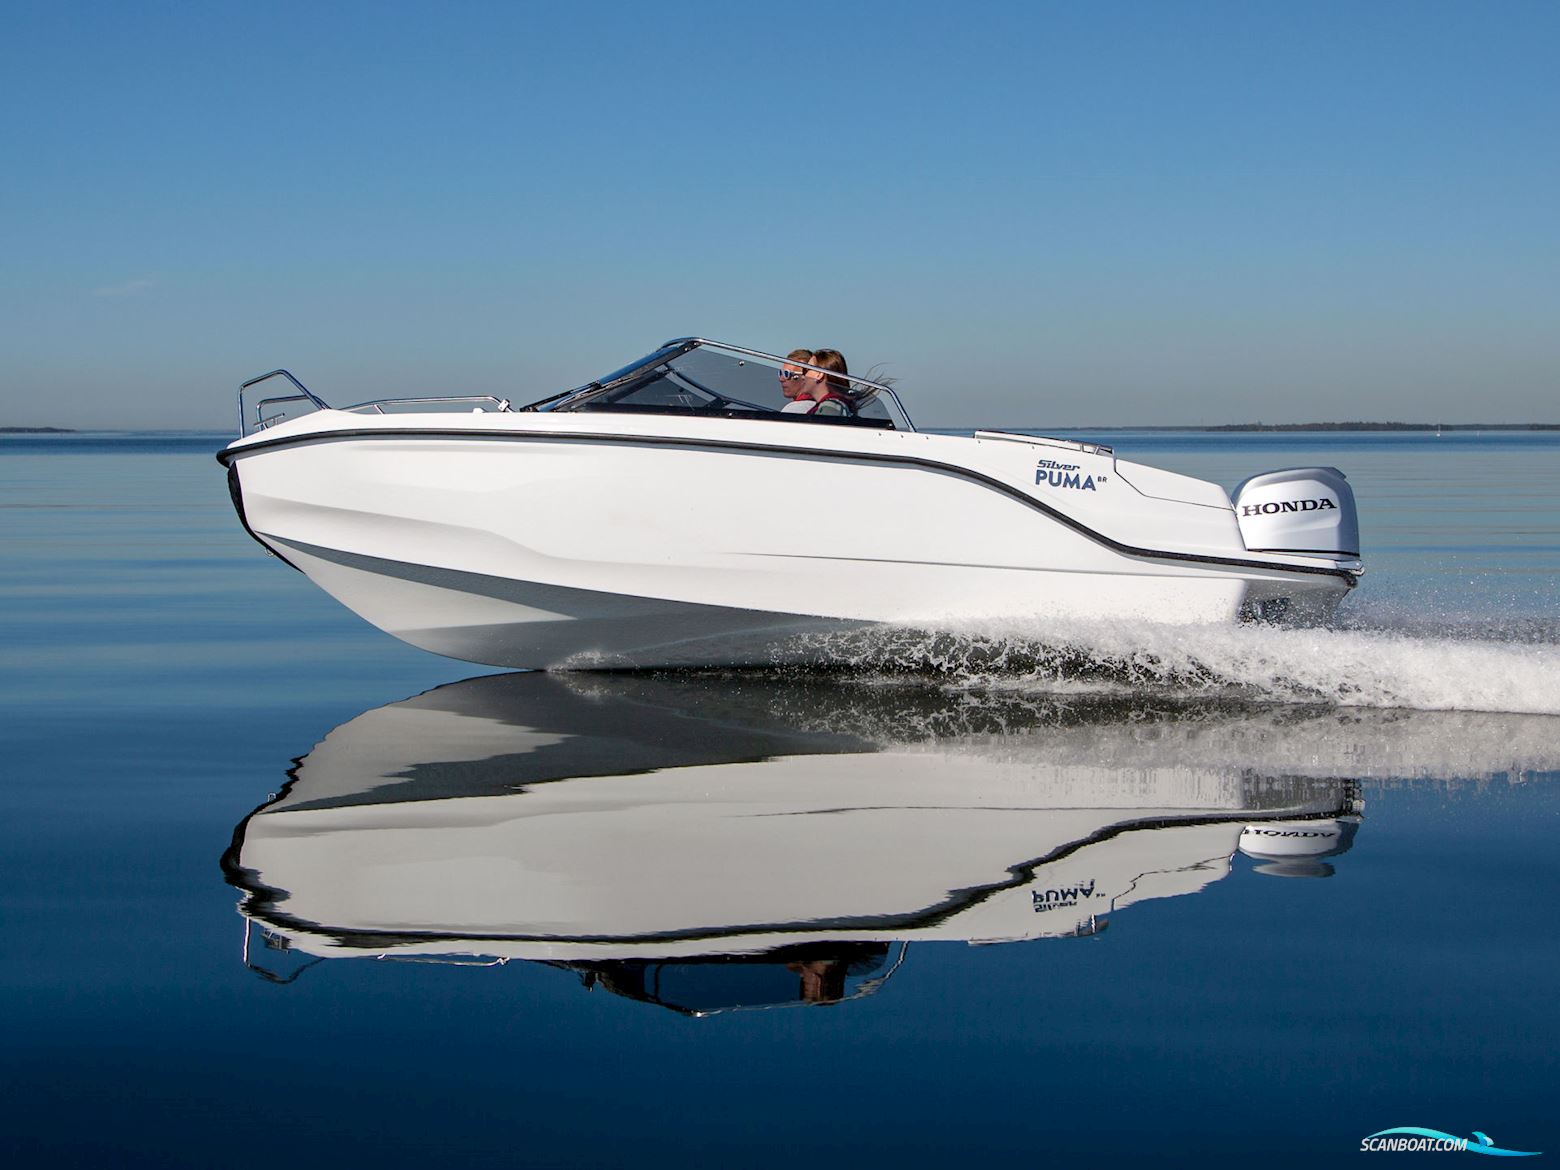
(392, 405)
(253, 410)
(258, 407)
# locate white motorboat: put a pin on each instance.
(674, 513)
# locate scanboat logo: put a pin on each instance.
(1412, 1139)
(1274, 507)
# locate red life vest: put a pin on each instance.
(833, 397)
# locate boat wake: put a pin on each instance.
(1392, 665)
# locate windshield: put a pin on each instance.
(697, 377)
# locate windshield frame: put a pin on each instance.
(862, 390)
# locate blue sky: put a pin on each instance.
(1036, 214)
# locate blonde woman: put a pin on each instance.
(829, 392)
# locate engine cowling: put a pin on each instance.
(1298, 510)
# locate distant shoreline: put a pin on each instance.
(1334, 426)
(37, 431)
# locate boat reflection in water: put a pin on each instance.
(711, 842)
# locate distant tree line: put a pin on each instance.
(1379, 426)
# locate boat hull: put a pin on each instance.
(543, 544)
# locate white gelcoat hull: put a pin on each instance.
(537, 540)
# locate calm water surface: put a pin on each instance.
(279, 890)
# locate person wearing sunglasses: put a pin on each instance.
(816, 391)
(794, 382)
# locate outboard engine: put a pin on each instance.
(1298, 510)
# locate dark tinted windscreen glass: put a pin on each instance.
(753, 382)
(717, 382)
(743, 381)
(658, 388)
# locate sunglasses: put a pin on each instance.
(792, 375)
